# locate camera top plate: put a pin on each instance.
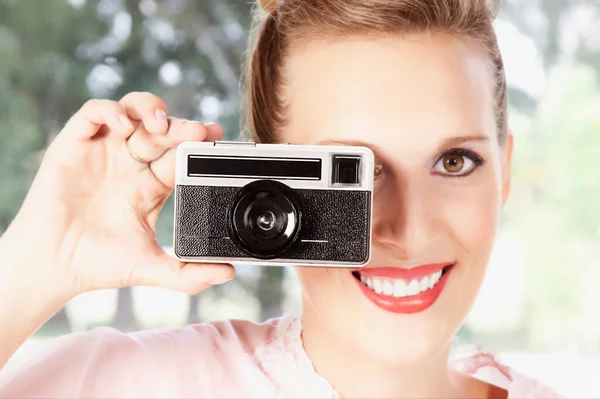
(238, 163)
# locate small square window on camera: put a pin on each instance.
(345, 170)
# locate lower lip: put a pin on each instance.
(407, 304)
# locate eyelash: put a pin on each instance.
(463, 152)
(473, 156)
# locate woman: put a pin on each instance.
(420, 82)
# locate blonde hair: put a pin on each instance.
(278, 24)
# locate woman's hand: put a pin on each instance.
(89, 219)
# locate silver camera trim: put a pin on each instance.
(235, 149)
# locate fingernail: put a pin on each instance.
(187, 121)
(161, 116)
(125, 122)
(220, 281)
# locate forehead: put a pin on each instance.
(383, 90)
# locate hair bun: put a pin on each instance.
(268, 5)
(493, 7)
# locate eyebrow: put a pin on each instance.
(464, 139)
(376, 150)
(451, 141)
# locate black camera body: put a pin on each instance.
(273, 204)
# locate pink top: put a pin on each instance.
(231, 358)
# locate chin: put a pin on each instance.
(403, 340)
(396, 336)
(404, 344)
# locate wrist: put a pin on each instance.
(21, 284)
(27, 299)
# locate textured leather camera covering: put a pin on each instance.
(339, 217)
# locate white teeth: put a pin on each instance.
(377, 286)
(424, 284)
(388, 288)
(399, 287)
(413, 287)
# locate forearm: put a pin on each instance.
(26, 302)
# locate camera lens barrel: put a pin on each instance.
(264, 219)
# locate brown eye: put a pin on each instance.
(378, 172)
(453, 163)
(457, 162)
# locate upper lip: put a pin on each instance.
(404, 273)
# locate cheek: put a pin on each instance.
(318, 283)
(470, 216)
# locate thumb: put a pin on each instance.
(157, 268)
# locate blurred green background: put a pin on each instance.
(540, 295)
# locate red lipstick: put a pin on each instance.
(406, 304)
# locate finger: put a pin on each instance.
(163, 270)
(215, 132)
(145, 145)
(164, 167)
(149, 109)
(151, 147)
(86, 122)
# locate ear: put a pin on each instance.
(506, 167)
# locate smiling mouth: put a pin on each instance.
(399, 287)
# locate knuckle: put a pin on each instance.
(133, 94)
(97, 104)
(143, 97)
(90, 104)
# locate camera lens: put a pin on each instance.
(264, 220)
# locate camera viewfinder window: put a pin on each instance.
(346, 169)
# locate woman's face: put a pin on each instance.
(424, 105)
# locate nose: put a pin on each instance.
(404, 218)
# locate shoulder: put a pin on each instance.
(58, 367)
(484, 365)
(224, 335)
(203, 359)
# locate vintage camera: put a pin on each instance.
(273, 204)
